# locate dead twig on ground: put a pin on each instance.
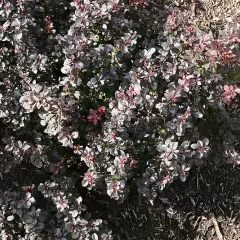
(215, 223)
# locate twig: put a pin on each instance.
(157, 5)
(197, 183)
(215, 223)
(196, 222)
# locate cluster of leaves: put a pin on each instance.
(101, 91)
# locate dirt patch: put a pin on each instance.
(209, 14)
(213, 14)
(205, 14)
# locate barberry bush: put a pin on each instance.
(110, 93)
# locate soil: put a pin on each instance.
(208, 14)
(205, 207)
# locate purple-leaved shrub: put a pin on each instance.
(107, 91)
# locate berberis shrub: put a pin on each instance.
(109, 93)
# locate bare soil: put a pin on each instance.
(208, 14)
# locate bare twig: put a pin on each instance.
(196, 222)
(215, 223)
(157, 5)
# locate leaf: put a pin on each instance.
(41, 187)
(27, 218)
(75, 134)
(116, 177)
(165, 46)
(43, 215)
(65, 69)
(94, 236)
(28, 195)
(79, 65)
(75, 235)
(185, 144)
(70, 51)
(74, 213)
(198, 114)
(10, 218)
(102, 96)
(79, 200)
(182, 176)
(150, 52)
(174, 145)
(237, 90)
(205, 141)
(85, 182)
(194, 146)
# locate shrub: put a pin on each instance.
(101, 91)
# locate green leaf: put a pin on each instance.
(116, 177)
(102, 96)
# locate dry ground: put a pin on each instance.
(208, 14)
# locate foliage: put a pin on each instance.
(101, 91)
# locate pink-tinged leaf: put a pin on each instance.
(226, 88)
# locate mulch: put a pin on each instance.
(205, 207)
